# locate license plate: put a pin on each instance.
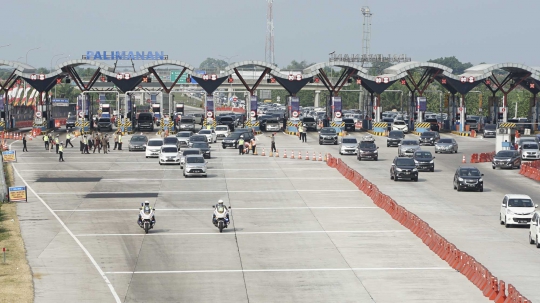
(471, 185)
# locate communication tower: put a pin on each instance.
(269, 47)
(366, 32)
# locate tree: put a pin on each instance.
(213, 64)
(452, 62)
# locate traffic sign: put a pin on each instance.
(234, 98)
(81, 114)
(253, 113)
(209, 114)
(38, 114)
(175, 73)
(460, 109)
(295, 114)
(503, 109)
(378, 80)
(338, 114)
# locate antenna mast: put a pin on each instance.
(269, 47)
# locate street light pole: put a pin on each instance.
(26, 61)
(62, 58)
(53, 58)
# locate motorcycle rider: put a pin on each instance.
(220, 208)
(147, 209)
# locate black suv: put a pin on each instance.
(403, 168)
(349, 124)
(227, 120)
(468, 177)
(367, 150)
(70, 123)
(310, 123)
(232, 139)
(145, 121)
(328, 135)
(424, 160)
(394, 138)
(506, 159)
(104, 124)
(429, 138)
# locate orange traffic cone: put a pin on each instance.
(325, 157)
(277, 153)
(299, 155)
(320, 157)
(314, 157)
(271, 154)
(285, 154)
(307, 155)
(464, 160)
(292, 155)
(263, 154)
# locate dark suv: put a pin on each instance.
(367, 150)
(403, 168)
(429, 138)
(328, 135)
(468, 177)
(145, 121)
(232, 139)
(309, 123)
(70, 122)
(227, 120)
(424, 160)
(506, 159)
(394, 138)
(186, 123)
(349, 124)
(104, 124)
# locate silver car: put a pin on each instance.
(446, 145)
(195, 166)
(348, 146)
(530, 151)
(407, 148)
(183, 137)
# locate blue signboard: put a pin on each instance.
(209, 103)
(102, 98)
(253, 104)
(9, 156)
(1, 102)
(86, 104)
(295, 104)
(125, 55)
(153, 98)
(60, 102)
(421, 104)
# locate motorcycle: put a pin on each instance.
(221, 218)
(146, 215)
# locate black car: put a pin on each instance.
(171, 141)
(394, 138)
(468, 177)
(204, 147)
(403, 168)
(310, 123)
(227, 120)
(490, 131)
(506, 159)
(349, 124)
(262, 121)
(104, 124)
(145, 121)
(424, 160)
(328, 135)
(138, 142)
(70, 123)
(232, 139)
(367, 150)
(197, 138)
(429, 138)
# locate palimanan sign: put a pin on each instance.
(125, 55)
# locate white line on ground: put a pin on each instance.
(164, 169)
(280, 270)
(205, 191)
(143, 162)
(236, 208)
(87, 253)
(250, 233)
(211, 179)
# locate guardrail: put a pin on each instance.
(530, 170)
(482, 157)
(478, 274)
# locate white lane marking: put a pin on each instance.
(147, 163)
(251, 233)
(204, 191)
(236, 208)
(166, 169)
(281, 270)
(109, 284)
(205, 179)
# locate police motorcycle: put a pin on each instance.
(221, 216)
(146, 216)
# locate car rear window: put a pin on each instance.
(399, 123)
(367, 145)
(222, 128)
(396, 134)
(490, 126)
(191, 152)
(145, 118)
(409, 142)
(205, 132)
(182, 135)
(471, 172)
(200, 145)
(198, 138)
(530, 146)
(349, 140)
(308, 119)
(428, 134)
(520, 203)
(423, 154)
(169, 150)
(170, 140)
(405, 162)
(155, 143)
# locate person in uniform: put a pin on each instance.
(46, 140)
(241, 145)
(253, 145)
(105, 144)
(273, 143)
(57, 142)
(115, 141)
(119, 141)
(61, 152)
(68, 140)
(24, 143)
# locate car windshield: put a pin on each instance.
(205, 132)
(183, 135)
(399, 122)
(349, 140)
(490, 126)
(396, 135)
(530, 146)
(308, 119)
(428, 134)
(200, 145)
(170, 140)
(169, 149)
(145, 117)
(505, 153)
(72, 118)
(195, 160)
(409, 142)
(222, 128)
(190, 152)
(187, 120)
(367, 145)
(104, 120)
(138, 139)
(198, 138)
(155, 142)
(469, 172)
(423, 154)
(525, 140)
(405, 162)
(348, 120)
(227, 119)
(328, 131)
(445, 141)
(520, 203)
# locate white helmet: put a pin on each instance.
(220, 201)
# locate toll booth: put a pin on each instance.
(105, 111)
(156, 110)
(179, 108)
(504, 139)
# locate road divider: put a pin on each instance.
(476, 273)
(482, 157)
(530, 170)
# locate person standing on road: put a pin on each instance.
(300, 131)
(304, 133)
(61, 152)
(90, 143)
(57, 142)
(105, 144)
(241, 145)
(81, 145)
(24, 143)
(119, 141)
(115, 141)
(46, 141)
(97, 144)
(273, 144)
(253, 145)
(68, 140)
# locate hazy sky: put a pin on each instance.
(493, 31)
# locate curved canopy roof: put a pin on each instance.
(313, 70)
(483, 71)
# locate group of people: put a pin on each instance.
(244, 146)
(51, 141)
(100, 141)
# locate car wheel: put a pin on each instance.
(433, 169)
(340, 153)
(160, 163)
(519, 166)
(395, 178)
(537, 243)
(205, 176)
(335, 143)
(506, 223)
(359, 158)
(146, 157)
(391, 177)
(376, 159)
(493, 166)
(320, 143)
(436, 152)
(387, 145)
(458, 188)
(415, 179)
(223, 146)
(481, 189)
(531, 241)
(454, 185)
(500, 220)
(455, 151)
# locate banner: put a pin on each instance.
(253, 104)
(209, 103)
(17, 194)
(60, 102)
(336, 104)
(102, 98)
(153, 98)
(9, 156)
(421, 104)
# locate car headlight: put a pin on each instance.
(415, 170)
(398, 169)
(431, 162)
(130, 145)
(415, 162)
(480, 180)
(376, 151)
(460, 179)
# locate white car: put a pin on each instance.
(153, 147)
(222, 131)
(534, 230)
(516, 210)
(210, 135)
(400, 125)
(169, 154)
(195, 166)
